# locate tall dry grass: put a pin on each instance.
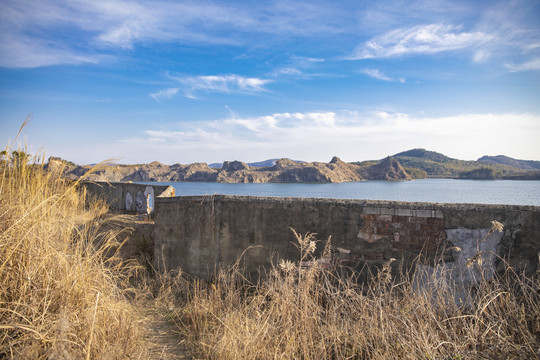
(307, 312)
(60, 297)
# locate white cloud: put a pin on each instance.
(481, 55)
(376, 74)
(123, 36)
(317, 136)
(230, 83)
(165, 93)
(421, 39)
(531, 65)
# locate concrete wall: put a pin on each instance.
(202, 233)
(127, 196)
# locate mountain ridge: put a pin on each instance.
(407, 165)
(283, 171)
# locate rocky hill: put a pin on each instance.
(387, 169)
(436, 165)
(283, 171)
(406, 165)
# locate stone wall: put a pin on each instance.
(203, 233)
(127, 196)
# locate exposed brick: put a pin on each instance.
(412, 226)
(428, 227)
(435, 220)
(419, 220)
(375, 256)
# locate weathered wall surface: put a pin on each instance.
(202, 233)
(127, 196)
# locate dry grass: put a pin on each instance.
(300, 312)
(60, 297)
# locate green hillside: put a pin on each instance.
(505, 160)
(422, 163)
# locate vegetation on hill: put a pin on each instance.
(426, 155)
(482, 173)
(505, 160)
(421, 163)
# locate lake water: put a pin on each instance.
(510, 192)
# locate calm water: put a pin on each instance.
(512, 192)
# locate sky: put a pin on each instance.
(209, 81)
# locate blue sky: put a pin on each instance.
(208, 81)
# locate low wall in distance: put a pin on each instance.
(127, 196)
(200, 234)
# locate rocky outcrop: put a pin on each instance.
(284, 171)
(192, 172)
(388, 169)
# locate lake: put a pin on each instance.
(510, 192)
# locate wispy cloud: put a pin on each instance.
(531, 65)
(27, 53)
(288, 71)
(117, 25)
(376, 74)
(421, 39)
(229, 83)
(165, 93)
(54, 32)
(317, 136)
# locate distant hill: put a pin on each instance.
(264, 163)
(505, 160)
(437, 165)
(406, 165)
(282, 171)
(425, 154)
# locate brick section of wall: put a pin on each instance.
(406, 233)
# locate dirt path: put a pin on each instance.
(164, 342)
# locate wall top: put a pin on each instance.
(372, 205)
